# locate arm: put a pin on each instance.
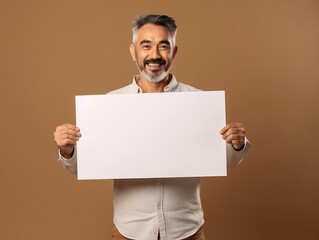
(66, 136)
(237, 144)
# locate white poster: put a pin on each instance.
(151, 135)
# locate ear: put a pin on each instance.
(132, 51)
(175, 51)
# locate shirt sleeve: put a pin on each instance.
(235, 157)
(71, 163)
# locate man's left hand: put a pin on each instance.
(234, 133)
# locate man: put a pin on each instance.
(146, 209)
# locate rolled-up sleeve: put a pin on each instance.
(71, 163)
(234, 157)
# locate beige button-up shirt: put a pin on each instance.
(171, 207)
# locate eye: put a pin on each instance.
(146, 47)
(164, 47)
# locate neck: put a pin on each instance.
(149, 87)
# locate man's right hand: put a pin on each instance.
(66, 136)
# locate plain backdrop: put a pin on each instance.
(264, 54)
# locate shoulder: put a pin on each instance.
(182, 87)
(123, 90)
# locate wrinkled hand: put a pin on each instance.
(234, 133)
(66, 136)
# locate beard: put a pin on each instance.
(154, 77)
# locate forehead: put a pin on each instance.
(154, 33)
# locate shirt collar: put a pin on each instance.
(170, 87)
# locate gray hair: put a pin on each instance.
(160, 20)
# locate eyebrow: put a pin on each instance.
(145, 42)
(148, 41)
(165, 42)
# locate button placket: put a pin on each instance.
(160, 213)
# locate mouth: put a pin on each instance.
(154, 64)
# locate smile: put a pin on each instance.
(154, 64)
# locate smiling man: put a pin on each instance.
(152, 209)
(153, 51)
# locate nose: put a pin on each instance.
(155, 53)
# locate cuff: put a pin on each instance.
(69, 162)
(234, 157)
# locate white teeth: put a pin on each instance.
(153, 64)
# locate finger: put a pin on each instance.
(69, 132)
(229, 126)
(67, 126)
(234, 133)
(66, 139)
(63, 139)
(65, 142)
(234, 136)
(69, 136)
(67, 129)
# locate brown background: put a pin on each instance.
(265, 54)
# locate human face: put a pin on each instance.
(153, 52)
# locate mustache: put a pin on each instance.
(154, 61)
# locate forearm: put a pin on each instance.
(235, 157)
(69, 163)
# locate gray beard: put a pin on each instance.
(154, 78)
